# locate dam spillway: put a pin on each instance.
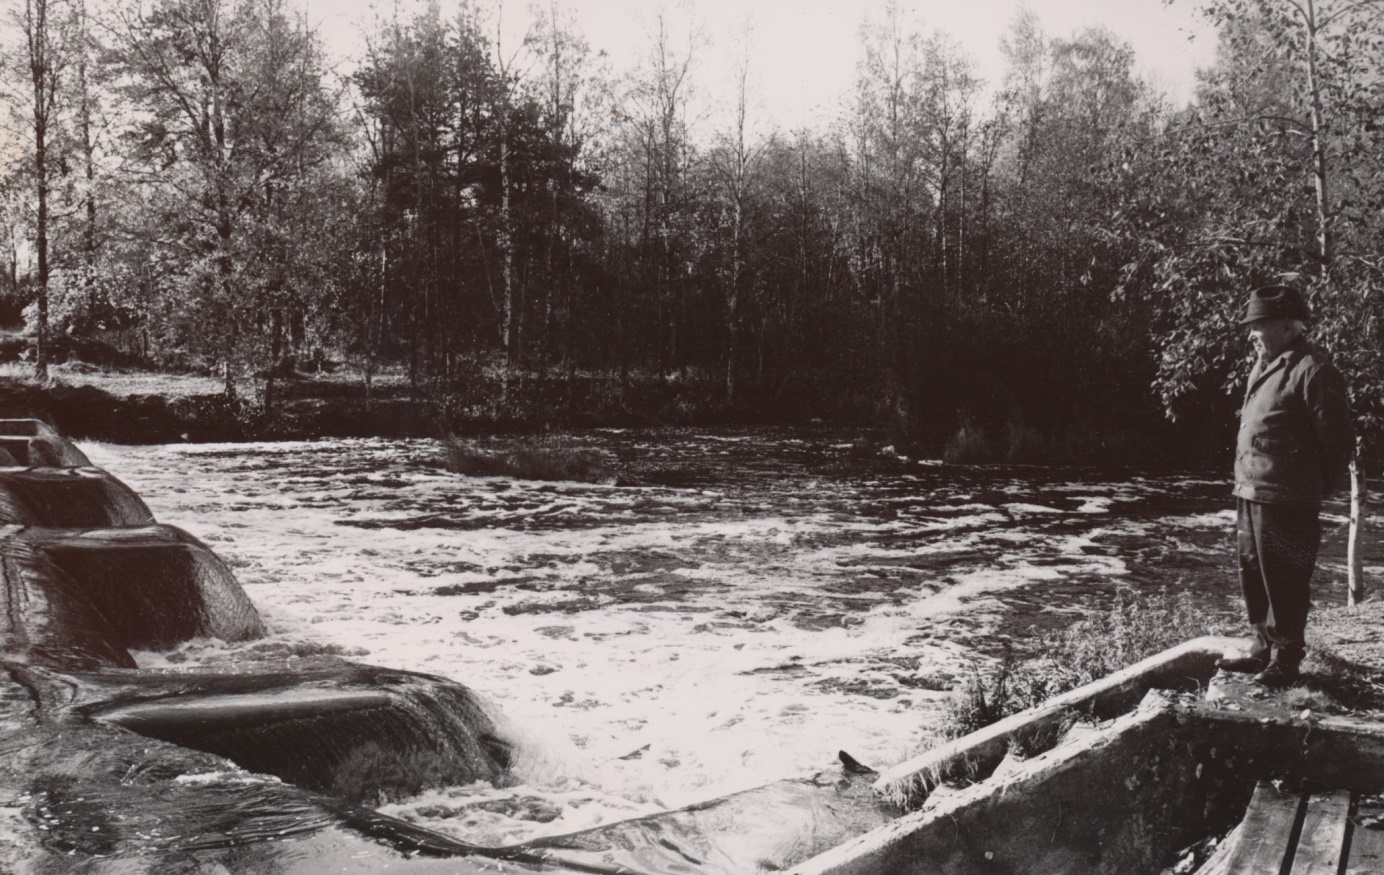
(87, 577)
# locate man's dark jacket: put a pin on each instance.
(1295, 437)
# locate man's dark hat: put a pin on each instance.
(1275, 302)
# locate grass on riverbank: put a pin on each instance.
(1136, 627)
(1344, 667)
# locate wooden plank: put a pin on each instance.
(1367, 842)
(1323, 834)
(1265, 833)
(1220, 858)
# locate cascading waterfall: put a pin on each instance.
(157, 586)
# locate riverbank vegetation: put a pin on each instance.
(1045, 266)
(1136, 626)
(1344, 668)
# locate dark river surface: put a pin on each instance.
(754, 602)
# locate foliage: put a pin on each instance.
(1272, 175)
(1137, 626)
(1013, 274)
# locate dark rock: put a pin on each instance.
(85, 788)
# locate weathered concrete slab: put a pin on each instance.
(980, 752)
(1123, 799)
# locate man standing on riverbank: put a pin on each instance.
(1293, 450)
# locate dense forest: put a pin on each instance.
(1053, 263)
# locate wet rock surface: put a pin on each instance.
(68, 498)
(155, 586)
(102, 760)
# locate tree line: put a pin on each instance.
(1058, 257)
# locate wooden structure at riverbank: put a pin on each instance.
(1302, 834)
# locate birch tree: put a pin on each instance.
(36, 81)
(734, 162)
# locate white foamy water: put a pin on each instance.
(779, 600)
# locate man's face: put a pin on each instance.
(1270, 336)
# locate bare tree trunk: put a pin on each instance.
(1359, 505)
(1319, 181)
(89, 159)
(43, 71)
(505, 233)
(507, 262)
(960, 282)
(738, 181)
(41, 174)
(275, 350)
(1325, 251)
(733, 304)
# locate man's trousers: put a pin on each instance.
(1278, 550)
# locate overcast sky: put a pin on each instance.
(805, 51)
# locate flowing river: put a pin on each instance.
(753, 603)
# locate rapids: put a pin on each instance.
(755, 602)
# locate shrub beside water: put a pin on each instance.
(1015, 443)
(1019, 444)
(539, 459)
(1136, 627)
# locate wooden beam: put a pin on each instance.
(1220, 858)
(1266, 833)
(1366, 842)
(1323, 834)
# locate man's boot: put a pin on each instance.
(1282, 670)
